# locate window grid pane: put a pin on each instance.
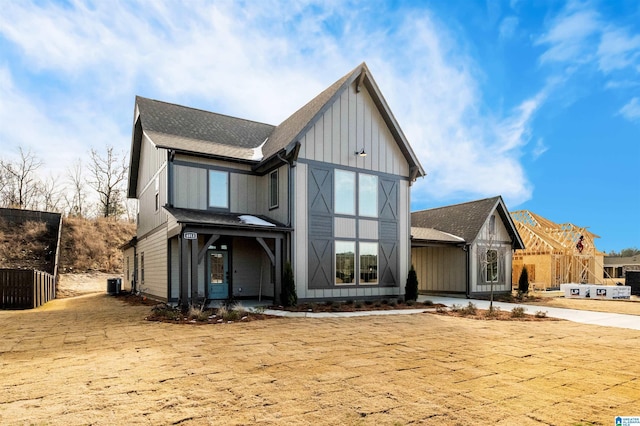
(218, 189)
(345, 262)
(368, 263)
(345, 192)
(368, 195)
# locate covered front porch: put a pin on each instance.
(218, 257)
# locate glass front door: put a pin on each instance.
(218, 287)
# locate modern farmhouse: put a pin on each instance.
(225, 202)
(464, 248)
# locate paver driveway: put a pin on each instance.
(94, 360)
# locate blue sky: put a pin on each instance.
(537, 101)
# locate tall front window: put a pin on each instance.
(218, 189)
(345, 262)
(273, 189)
(368, 263)
(345, 192)
(367, 195)
(492, 266)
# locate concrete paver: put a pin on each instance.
(95, 360)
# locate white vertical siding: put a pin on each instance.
(353, 122)
(404, 225)
(154, 248)
(299, 235)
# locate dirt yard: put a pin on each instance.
(95, 360)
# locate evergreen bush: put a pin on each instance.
(523, 282)
(288, 294)
(411, 289)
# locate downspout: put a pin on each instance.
(467, 248)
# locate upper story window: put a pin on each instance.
(345, 192)
(492, 225)
(273, 189)
(218, 189)
(368, 195)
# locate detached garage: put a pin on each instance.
(465, 248)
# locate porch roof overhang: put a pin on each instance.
(235, 224)
(425, 237)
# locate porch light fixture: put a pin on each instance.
(361, 153)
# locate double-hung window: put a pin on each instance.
(218, 189)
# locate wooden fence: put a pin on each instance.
(25, 288)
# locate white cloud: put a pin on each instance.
(508, 27)
(570, 35)
(631, 111)
(618, 50)
(262, 61)
(539, 149)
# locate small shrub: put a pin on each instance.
(357, 305)
(442, 309)
(368, 302)
(385, 302)
(541, 314)
(377, 304)
(165, 312)
(455, 307)
(393, 303)
(470, 309)
(518, 312)
(428, 303)
(330, 303)
(348, 302)
(493, 312)
(288, 294)
(410, 302)
(411, 288)
(198, 313)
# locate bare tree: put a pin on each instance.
(76, 197)
(20, 181)
(49, 195)
(108, 175)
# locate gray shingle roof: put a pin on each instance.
(466, 220)
(189, 124)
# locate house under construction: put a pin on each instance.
(555, 254)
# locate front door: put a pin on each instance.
(218, 287)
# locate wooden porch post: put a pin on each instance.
(184, 273)
(194, 270)
(278, 266)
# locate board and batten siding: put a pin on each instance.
(500, 240)
(154, 248)
(353, 122)
(150, 217)
(440, 269)
(248, 193)
(151, 160)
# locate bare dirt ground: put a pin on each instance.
(71, 285)
(94, 360)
